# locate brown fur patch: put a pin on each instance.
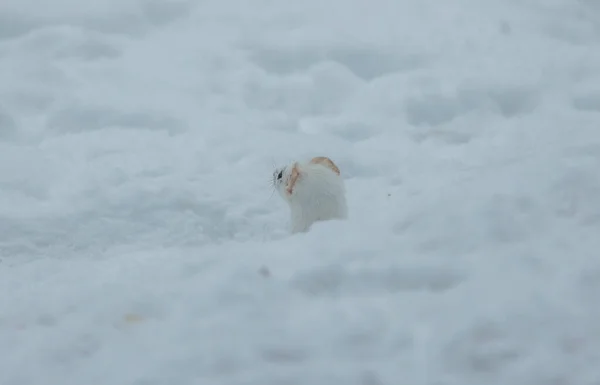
(325, 161)
(293, 179)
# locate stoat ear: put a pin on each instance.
(294, 175)
(325, 161)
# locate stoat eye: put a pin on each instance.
(280, 175)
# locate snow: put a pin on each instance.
(141, 244)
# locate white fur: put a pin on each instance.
(318, 195)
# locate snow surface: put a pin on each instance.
(141, 243)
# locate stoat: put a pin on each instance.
(314, 190)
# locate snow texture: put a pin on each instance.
(141, 243)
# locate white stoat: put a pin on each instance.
(314, 190)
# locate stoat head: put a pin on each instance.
(278, 178)
(286, 178)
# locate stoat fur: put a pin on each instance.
(314, 191)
